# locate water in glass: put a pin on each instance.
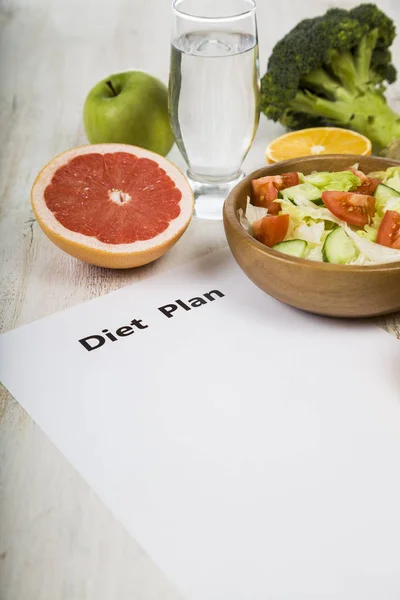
(214, 100)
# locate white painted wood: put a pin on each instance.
(57, 540)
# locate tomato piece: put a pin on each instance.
(280, 181)
(262, 185)
(266, 195)
(266, 189)
(271, 230)
(355, 209)
(389, 230)
(368, 187)
(290, 179)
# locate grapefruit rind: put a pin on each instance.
(90, 249)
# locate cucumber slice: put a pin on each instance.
(338, 248)
(393, 181)
(383, 194)
(293, 247)
(307, 190)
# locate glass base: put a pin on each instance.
(210, 196)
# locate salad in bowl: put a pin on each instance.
(343, 217)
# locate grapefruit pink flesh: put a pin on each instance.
(117, 198)
(112, 205)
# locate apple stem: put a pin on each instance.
(110, 85)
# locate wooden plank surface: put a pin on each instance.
(58, 541)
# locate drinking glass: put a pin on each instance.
(214, 88)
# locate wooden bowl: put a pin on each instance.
(317, 287)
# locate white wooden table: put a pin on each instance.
(57, 539)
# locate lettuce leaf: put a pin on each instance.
(370, 232)
(392, 203)
(377, 175)
(315, 253)
(310, 232)
(343, 181)
(375, 253)
(305, 209)
(251, 214)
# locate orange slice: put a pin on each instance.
(316, 141)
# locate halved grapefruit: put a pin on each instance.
(112, 205)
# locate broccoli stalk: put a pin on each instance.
(332, 70)
(367, 113)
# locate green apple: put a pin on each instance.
(129, 108)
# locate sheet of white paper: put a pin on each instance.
(253, 450)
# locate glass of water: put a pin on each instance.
(214, 88)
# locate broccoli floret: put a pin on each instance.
(334, 70)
